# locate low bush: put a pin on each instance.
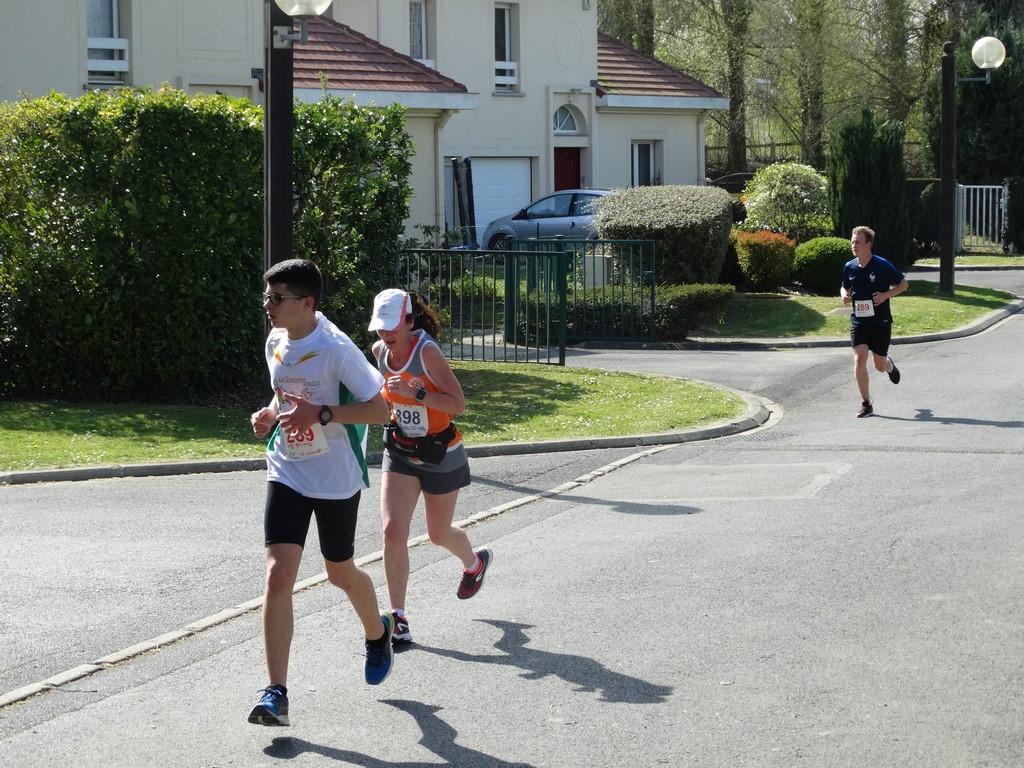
(765, 258)
(678, 308)
(789, 198)
(818, 263)
(689, 225)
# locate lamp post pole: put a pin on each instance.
(947, 172)
(278, 123)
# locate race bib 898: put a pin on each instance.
(411, 419)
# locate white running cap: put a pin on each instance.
(389, 310)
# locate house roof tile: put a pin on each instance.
(352, 61)
(623, 70)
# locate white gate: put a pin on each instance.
(980, 213)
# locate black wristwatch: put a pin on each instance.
(326, 414)
(420, 394)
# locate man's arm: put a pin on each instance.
(263, 420)
(305, 413)
(896, 290)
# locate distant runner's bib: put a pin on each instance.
(864, 308)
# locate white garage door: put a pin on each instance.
(501, 185)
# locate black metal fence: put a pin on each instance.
(527, 303)
(494, 305)
(610, 287)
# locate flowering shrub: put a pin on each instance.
(765, 258)
(789, 198)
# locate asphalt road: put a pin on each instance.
(825, 592)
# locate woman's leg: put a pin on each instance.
(440, 510)
(398, 496)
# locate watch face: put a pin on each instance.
(325, 415)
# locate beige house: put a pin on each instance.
(529, 91)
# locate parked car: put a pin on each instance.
(567, 213)
(732, 182)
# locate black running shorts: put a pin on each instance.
(877, 337)
(286, 521)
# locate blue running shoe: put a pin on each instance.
(272, 708)
(379, 654)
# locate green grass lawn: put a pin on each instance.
(505, 402)
(977, 260)
(919, 310)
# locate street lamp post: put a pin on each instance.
(988, 54)
(278, 121)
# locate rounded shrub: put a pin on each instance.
(689, 226)
(790, 198)
(765, 258)
(818, 263)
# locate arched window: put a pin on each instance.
(565, 121)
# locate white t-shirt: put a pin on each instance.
(326, 368)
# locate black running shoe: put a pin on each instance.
(865, 410)
(894, 372)
(379, 654)
(471, 582)
(272, 708)
(401, 635)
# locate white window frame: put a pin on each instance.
(652, 171)
(419, 7)
(107, 57)
(561, 120)
(506, 70)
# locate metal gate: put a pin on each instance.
(981, 211)
(610, 287)
(494, 305)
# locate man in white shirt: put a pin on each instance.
(325, 394)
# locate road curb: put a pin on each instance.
(757, 413)
(749, 345)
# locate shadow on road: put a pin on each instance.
(925, 414)
(438, 736)
(587, 675)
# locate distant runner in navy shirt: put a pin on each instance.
(869, 282)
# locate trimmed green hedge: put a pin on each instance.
(690, 227)
(818, 263)
(677, 309)
(131, 238)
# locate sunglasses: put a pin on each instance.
(277, 298)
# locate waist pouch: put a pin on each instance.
(430, 449)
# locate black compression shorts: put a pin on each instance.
(286, 521)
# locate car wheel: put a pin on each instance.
(498, 243)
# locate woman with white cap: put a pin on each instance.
(423, 451)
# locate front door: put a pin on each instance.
(567, 168)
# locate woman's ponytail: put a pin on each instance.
(424, 316)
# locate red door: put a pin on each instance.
(567, 168)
